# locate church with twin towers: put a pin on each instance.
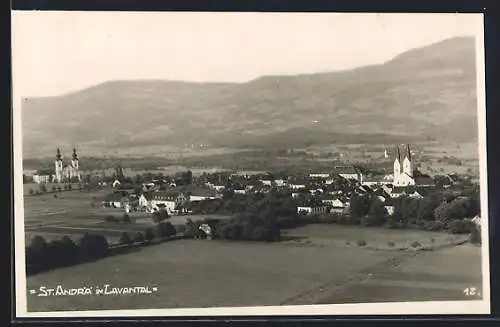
(69, 172)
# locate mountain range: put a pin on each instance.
(427, 93)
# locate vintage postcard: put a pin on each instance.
(208, 164)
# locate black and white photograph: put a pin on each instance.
(203, 163)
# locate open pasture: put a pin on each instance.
(202, 273)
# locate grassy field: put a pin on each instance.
(334, 235)
(202, 273)
(71, 214)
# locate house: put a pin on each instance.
(319, 176)
(398, 191)
(116, 183)
(169, 199)
(334, 203)
(200, 194)
(240, 191)
(349, 173)
(374, 180)
(115, 200)
(266, 182)
(294, 186)
(309, 210)
(279, 182)
(390, 210)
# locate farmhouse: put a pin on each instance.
(169, 199)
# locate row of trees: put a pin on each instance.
(41, 255)
(238, 228)
(437, 211)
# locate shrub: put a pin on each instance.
(54, 188)
(361, 243)
(31, 192)
(373, 220)
(149, 235)
(139, 237)
(415, 244)
(92, 246)
(247, 231)
(235, 231)
(258, 233)
(475, 236)
(55, 196)
(460, 226)
(36, 252)
(111, 219)
(126, 218)
(170, 229)
(42, 188)
(180, 228)
(433, 225)
(125, 239)
(391, 244)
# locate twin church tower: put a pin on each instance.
(69, 172)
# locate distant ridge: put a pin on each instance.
(424, 93)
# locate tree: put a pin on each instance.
(457, 209)
(358, 206)
(426, 207)
(125, 239)
(126, 218)
(43, 188)
(93, 246)
(160, 215)
(31, 191)
(149, 235)
(139, 237)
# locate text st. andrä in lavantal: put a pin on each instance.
(92, 290)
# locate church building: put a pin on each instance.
(70, 172)
(403, 168)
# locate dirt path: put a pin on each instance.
(316, 293)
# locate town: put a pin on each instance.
(350, 195)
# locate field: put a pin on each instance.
(71, 214)
(202, 273)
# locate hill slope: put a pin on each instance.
(426, 92)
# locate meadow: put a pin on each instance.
(203, 273)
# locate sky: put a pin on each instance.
(59, 52)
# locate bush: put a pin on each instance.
(180, 228)
(31, 192)
(460, 226)
(475, 236)
(373, 220)
(36, 252)
(433, 226)
(92, 246)
(391, 244)
(416, 244)
(247, 231)
(125, 239)
(126, 218)
(149, 235)
(361, 243)
(111, 219)
(139, 237)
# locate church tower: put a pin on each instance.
(59, 166)
(75, 166)
(407, 164)
(397, 167)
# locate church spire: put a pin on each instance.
(398, 154)
(75, 156)
(58, 155)
(408, 152)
